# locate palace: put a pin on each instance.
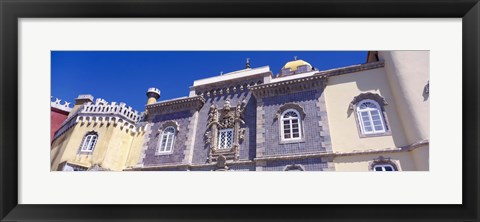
(367, 117)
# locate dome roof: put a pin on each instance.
(293, 65)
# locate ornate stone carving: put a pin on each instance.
(227, 117)
(382, 160)
(171, 123)
(221, 163)
(290, 106)
(373, 96)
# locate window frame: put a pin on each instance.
(84, 146)
(383, 165)
(282, 126)
(361, 123)
(219, 139)
(166, 132)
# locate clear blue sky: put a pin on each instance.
(125, 76)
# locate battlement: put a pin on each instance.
(101, 112)
(65, 106)
(154, 90)
(100, 101)
(101, 106)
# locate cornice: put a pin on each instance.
(352, 69)
(288, 86)
(195, 102)
(407, 148)
(305, 83)
(189, 166)
(416, 145)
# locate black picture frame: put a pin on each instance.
(11, 11)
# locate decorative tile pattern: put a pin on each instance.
(177, 155)
(311, 142)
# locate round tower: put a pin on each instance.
(408, 73)
(153, 94)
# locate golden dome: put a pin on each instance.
(293, 65)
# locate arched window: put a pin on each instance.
(370, 117)
(88, 142)
(383, 164)
(383, 167)
(291, 128)
(167, 140)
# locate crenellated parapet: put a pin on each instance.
(102, 113)
(102, 107)
(65, 106)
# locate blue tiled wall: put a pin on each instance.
(311, 164)
(151, 158)
(247, 146)
(311, 129)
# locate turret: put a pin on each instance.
(408, 73)
(80, 100)
(153, 94)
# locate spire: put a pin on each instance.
(247, 65)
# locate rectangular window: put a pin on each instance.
(92, 143)
(291, 129)
(371, 122)
(225, 138)
(164, 144)
(386, 167)
(366, 122)
(88, 143)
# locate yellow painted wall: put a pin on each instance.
(57, 149)
(135, 150)
(403, 160)
(421, 157)
(408, 72)
(110, 152)
(344, 130)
